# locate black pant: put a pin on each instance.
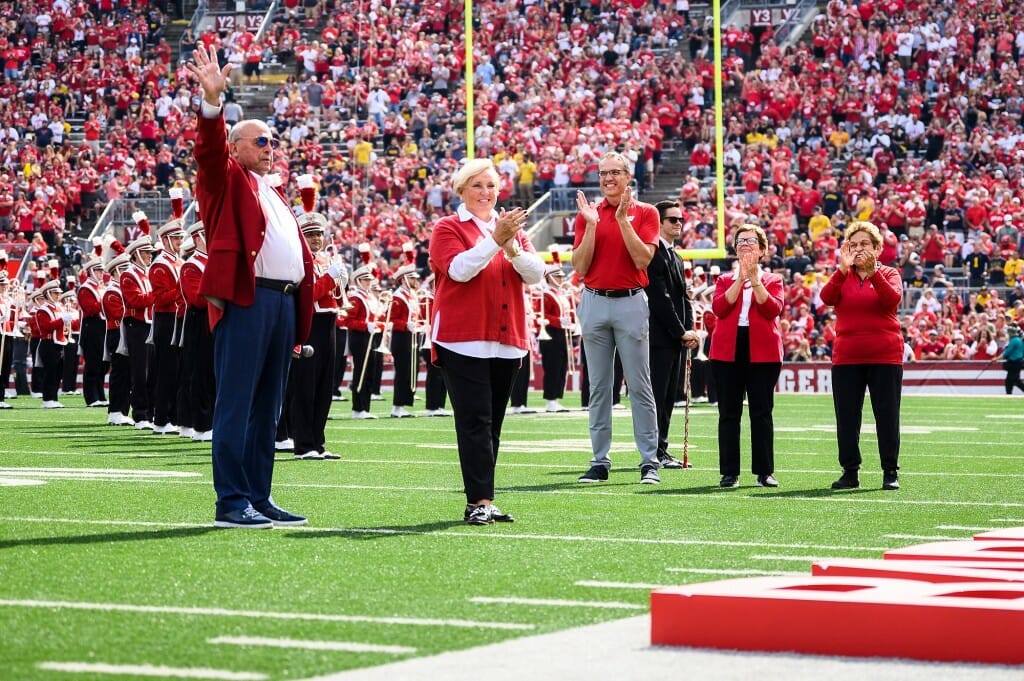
(49, 355)
(164, 365)
(312, 380)
(362, 356)
(756, 381)
(480, 389)
(340, 358)
(554, 357)
(36, 379)
(91, 344)
(403, 354)
(6, 360)
(665, 363)
(885, 384)
(69, 366)
(136, 333)
(197, 371)
(120, 375)
(433, 385)
(1012, 376)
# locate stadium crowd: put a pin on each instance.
(906, 113)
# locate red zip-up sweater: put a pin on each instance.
(867, 321)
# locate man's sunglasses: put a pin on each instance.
(674, 220)
(263, 141)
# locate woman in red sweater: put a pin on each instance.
(746, 357)
(481, 259)
(868, 352)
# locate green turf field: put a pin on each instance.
(107, 556)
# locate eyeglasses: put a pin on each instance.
(263, 141)
(674, 220)
(750, 240)
(614, 172)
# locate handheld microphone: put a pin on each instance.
(303, 351)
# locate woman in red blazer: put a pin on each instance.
(746, 357)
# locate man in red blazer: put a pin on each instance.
(259, 282)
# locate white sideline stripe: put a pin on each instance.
(343, 646)
(924, 537)
(20, 482)
(94, 473)
(709, 571)
(965, 528)
(798, 559)
(558, 603)
(618, 585)
(223, 612)
(479, 535)
(1007, 520)
(150, 670)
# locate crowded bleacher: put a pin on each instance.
(905, 113)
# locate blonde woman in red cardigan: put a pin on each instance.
(481, 259)
(746, 357)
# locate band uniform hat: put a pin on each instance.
(312, 222)
(553, 270)
(405, 271)
(141, 244)
(364, 272)
(52, 285)
(196, 227)
(68, 295)
(172, 227)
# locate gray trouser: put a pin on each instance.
(611, 324)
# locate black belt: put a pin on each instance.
(615, 292)
(286, 287)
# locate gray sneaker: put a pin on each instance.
(649, 475)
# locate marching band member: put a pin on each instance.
(94, 326)
(168, 306)
(51, 323)
(68, 302)
(404, 320)
(311, 377)
(535, 330)
(340, 338)
(116, 263)
(8, 332)
(197, 341)
(555, 349)
(434, 389)
(135, 328)
(363, 331)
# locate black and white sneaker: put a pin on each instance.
(848, 480)
(669, 461)
(729, 481)
(595, 474)
(649, 475)
(479, 515)
(890, 480)
(247, 518)
(496, 515)
(767, 481)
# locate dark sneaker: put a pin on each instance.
(479, 515)
(729, 481)
(767, 481)
(669, 461)
(890, 480)
(649, 475)
(847, 481)
(595, 474)
(246, 518)
(281, 517)
(496, 515)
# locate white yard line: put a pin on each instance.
(558, 603)
(797, 559)
(618, 585)
(1007, 520)
(150, 670)
(339, 646)
(965, 528)
(735, 573)
(473, 534)
(255, 614)
(924, 537)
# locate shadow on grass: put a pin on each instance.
(383, 532)
(109, 537)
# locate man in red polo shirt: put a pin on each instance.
(615, 240)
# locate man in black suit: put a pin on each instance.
(671, 323)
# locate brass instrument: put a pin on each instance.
(385, 338)
(540, 320)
